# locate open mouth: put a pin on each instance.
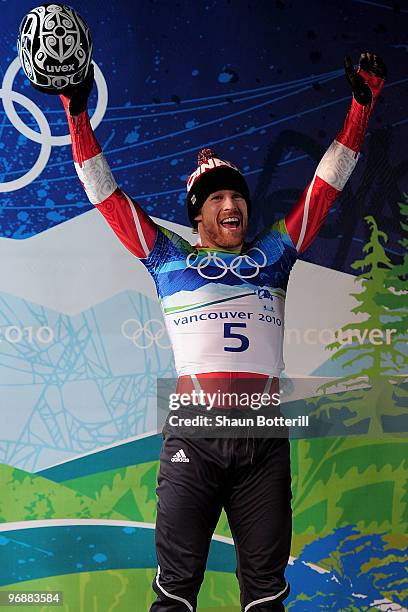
(231, 222)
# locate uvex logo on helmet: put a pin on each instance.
(64, 68)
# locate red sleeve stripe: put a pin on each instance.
(138, 226)
(84, 143)
(118, 212)
(306, 217)
(355, 126)
(97, 178)
(308, 214)
(334, 170)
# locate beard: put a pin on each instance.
(223, 237)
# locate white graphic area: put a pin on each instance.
(318, 302)
(82, 339)
(74, 265)
(80, 263)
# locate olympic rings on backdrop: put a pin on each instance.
(44, 137)
(45, 150)
(145, 331)
(233, 266)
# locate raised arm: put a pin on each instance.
(130, 223)
(306, 217)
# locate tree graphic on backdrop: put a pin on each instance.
(331, 474)
(368, 392)
(396, 282)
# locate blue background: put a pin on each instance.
(261, 82)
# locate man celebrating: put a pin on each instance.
(223, 304)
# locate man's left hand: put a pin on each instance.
(369, 63)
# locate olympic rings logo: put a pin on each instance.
(44, 137)
(234, 266)
(144, 336)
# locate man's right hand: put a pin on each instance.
(78, 95)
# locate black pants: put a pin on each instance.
(250, 478)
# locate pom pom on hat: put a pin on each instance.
(204, 155)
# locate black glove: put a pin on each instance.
(370, 63)
(79, 94)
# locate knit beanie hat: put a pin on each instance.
(213, 174)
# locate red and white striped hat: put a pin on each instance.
(213, 174)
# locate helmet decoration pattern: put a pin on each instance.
(55, 47)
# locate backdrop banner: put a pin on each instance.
(83, 342)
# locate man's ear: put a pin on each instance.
(197, 219)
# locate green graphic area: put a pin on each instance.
(125, 591)
(336, 482)
(349, 481)
(124, 494)
(121, 494)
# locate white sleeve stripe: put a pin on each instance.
(96, 178)
(337, 164)
(305, 215)
(138, 226)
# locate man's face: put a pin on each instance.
(223, 220)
